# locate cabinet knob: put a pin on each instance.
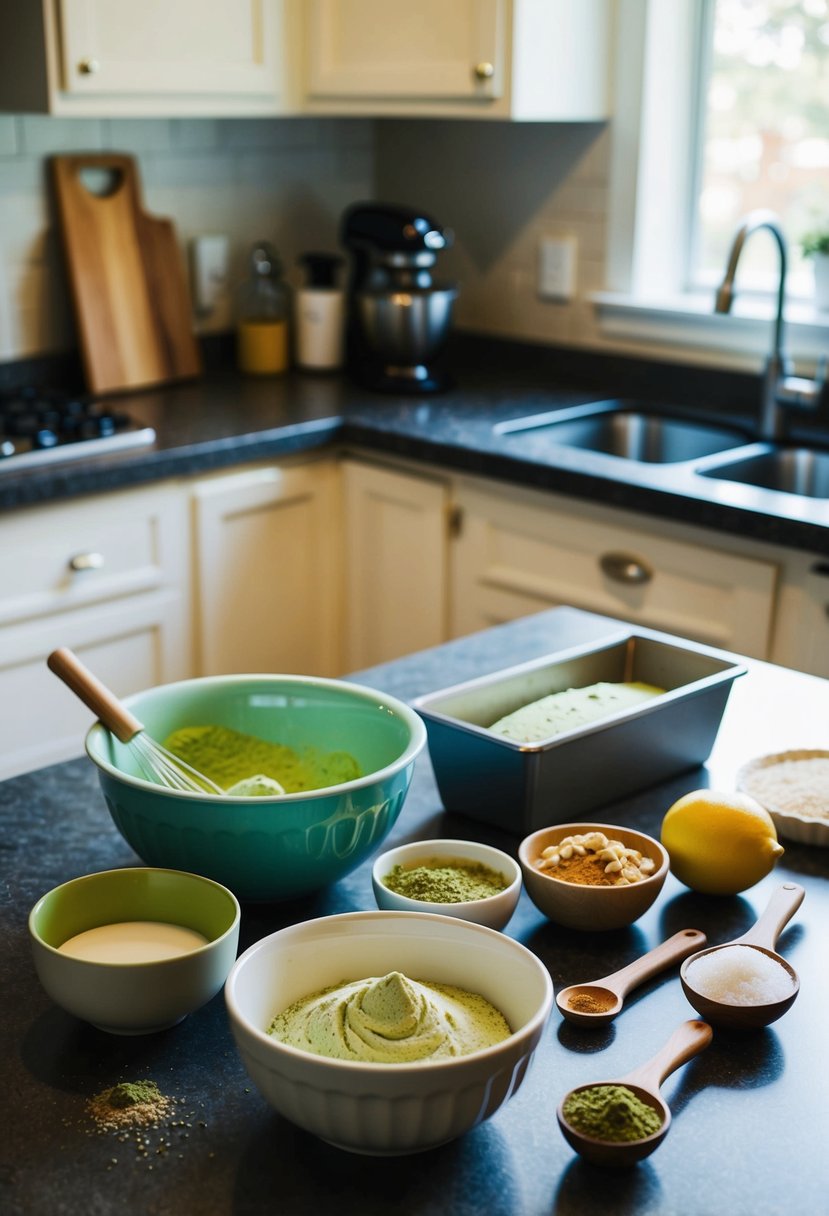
(484, 70)
(88, 67)
(625, 568)
(86, 561)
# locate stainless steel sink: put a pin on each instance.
(802, 471)
(616, 429)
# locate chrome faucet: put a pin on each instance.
(781, 390)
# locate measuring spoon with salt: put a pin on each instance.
(577, 1002)
(687, 1041)
(762, 936)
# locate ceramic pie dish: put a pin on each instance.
(793, 786)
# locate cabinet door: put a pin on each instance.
(108, 576)
(395, 575)
(267, 575)
(130, 645)
(122, 47)
(396, 49)
(513, 557)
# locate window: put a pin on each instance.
(720, 107)
(764, 134)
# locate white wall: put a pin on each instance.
(282, 180)
(501, 187)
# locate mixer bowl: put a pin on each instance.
(406, 327)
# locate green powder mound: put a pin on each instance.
(228, 756)
(573, 707)
(450, 883)
(611, 1112)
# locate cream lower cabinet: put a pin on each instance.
(395, 578)
(267, 570)
(518, 552)
(108, 577)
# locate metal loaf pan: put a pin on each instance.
(520, 787)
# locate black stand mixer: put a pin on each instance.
(398, 318)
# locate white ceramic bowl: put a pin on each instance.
(494, 911)
(579, 906)
(386, 1109)
(135, 997)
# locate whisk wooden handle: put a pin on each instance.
(95, 695)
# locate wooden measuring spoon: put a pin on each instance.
(687, 1041)
(761, 936)
(612, 990)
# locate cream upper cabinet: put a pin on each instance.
(267, 552)
(157, 57)
(523, 59)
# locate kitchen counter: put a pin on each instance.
(750, 1113)
(226, 419)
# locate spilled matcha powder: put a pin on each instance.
(230, 757)
(129, 1104)
(390, 1020)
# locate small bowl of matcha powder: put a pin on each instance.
(460, 878)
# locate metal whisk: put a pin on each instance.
(155, 761)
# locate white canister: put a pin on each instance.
(320, 315)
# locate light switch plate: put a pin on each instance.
(557, 267)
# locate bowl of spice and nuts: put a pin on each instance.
(592, 875)
(449, 877)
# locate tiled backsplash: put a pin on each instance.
(282, 180)
(502, 187)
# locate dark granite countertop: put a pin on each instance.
(749, 1114)
(225, 419)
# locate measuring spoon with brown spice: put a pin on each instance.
(597, 1003)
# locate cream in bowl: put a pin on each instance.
(391, 1019)
(460, 878)
(135, 950)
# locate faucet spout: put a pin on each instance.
(779, 387)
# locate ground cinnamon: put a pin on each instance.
(599, 1001)
(589, 870)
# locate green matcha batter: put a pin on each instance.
(562, 711)
(390, 1020)
(229, 757)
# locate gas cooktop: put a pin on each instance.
(42, 426)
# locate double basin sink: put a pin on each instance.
(721, 452)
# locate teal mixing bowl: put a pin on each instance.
(265, 848)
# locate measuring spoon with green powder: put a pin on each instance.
(597, 1003)
(617, 1123)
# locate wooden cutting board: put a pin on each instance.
(127, 278)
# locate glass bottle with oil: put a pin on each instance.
(264, 308)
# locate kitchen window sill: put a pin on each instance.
(689, 321)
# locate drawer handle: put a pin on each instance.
(88, 67)
(86, 561)
(625, 568)
(484, 71)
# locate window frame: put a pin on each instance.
(649, 299)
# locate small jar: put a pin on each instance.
(263, 311)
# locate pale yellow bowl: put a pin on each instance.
(578, 905)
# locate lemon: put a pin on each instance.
(719, 843)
